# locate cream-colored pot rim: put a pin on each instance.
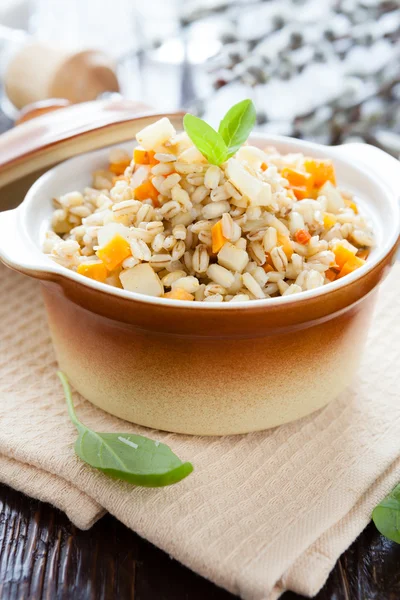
(367, 171)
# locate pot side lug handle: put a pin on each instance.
(20, 254)
(382, 164)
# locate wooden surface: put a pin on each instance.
(43, 556)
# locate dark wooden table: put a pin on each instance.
(43, 556)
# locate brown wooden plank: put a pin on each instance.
(44, 557)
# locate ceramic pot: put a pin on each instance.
(209, 368)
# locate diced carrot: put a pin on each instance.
(298, 179)
(322, 171)
(363, 253)
(267, 267)
(152, 160)
(314, 193)
(218, 239)
(329, 220)
(144, 157)
(343, 253)
(146, 190)
(115, 252)
(302, 236)
(284, 241)
(330, 274)
(264, 166)
(301, 193)
(119, 167)
(93, 270)
(178, 294)
(351, 204)
(351, 265)
(156, 202)
(140, 156)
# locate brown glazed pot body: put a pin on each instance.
(205, 372)
(188, 367)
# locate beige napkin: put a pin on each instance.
(262, 513)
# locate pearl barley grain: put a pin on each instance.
(223, 233)
(220, 275)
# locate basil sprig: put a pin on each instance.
(237, 124)
(233, 131)
(386, 515)
(130, 457)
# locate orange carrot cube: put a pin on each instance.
(330, 274)
(152, 161)
(301, 192)
(93, 270)
(298, 178)
(284, 241)
(329, 220)
(343, 253)
(218, 239)
(144, 157)
(115, 252)
(146, 190)
(140, 156)
(351, 265)
(118, 168)
(178, 294)
(267, 267)
(302, 236)
(322, 170)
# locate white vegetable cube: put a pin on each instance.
(192, 155)
(334, 198)
(258, 192)
(156, 134)
(109, 231)
(232, 257)
(254, 156)
(189, 284)
(143, 280)
(180, 143)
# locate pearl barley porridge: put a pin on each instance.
(167, 223)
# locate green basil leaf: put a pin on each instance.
(208, 141)
(130, 457)
(237, 124)
(386, 515)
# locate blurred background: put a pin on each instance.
(325, 70)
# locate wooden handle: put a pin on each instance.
(38, 72)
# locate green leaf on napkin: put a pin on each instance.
(130, 457)
(386, 515)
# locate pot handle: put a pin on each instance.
(382, 164)
(19, 254)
